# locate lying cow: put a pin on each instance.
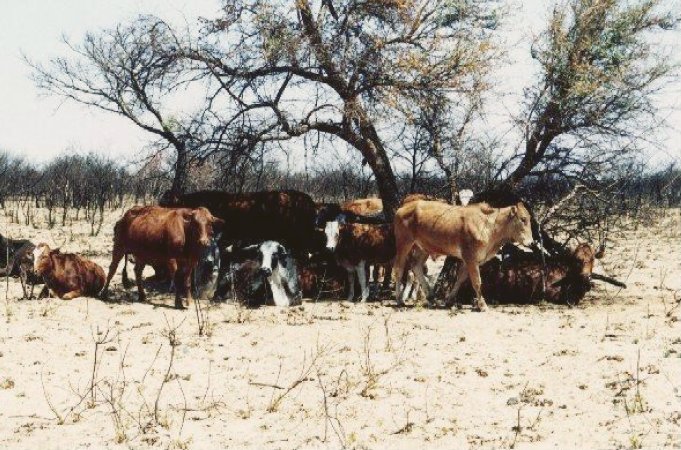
(321, 276)
(267, 264)
(472, 233)
(207, 270)
(21, 265)
(168, 237)
(67, 275)
(526, 278)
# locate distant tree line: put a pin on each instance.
(89, 184)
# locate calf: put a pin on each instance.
(263, 264)
(472, 233)
(356, 245)
(526, 278)
(21, 265)
(67, 275)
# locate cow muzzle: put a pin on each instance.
(266, 271)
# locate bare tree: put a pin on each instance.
(284, 70)
(127, 71)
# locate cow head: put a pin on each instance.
(326, 212)
(40, 254)
(203, 225)
(586, 256)
(279, 267)
(332, 231)
(520, 223)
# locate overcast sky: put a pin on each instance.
(41, 127)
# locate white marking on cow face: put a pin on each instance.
(279, 268)
(465, 196)
(332, 230)
(268, 251)
(37, 253)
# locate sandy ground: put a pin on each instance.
(89, 374)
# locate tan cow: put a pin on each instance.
(67, 275)
(471, 233)
(363, 206)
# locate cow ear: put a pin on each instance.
(218, 223)
(514, 211)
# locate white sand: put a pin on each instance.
(604, 375)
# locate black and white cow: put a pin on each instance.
(266, 264)
(207, 270)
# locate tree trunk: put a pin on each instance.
(385, 179)
(181, 168)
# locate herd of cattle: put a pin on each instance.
(282, 246)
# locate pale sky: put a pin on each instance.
(41, 127)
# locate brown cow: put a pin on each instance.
(167, 237)
(527, 278)
(471, 233)
(355, 245)
(67, 275)
(321, 276)
(287, 216)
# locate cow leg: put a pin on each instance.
(398, 269)
(351, 283)
(24, 286)
(360, 268)
(172, 273)
(25, 281)
(461, 276)
(376, 273)
(44, 292)
(387, 276)
(72, 294)
(474, 275)
(420, 276)
(183, 284)
(139, 268)
(124, 273)
(115, 259)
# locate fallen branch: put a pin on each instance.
(599, 277)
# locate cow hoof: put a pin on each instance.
(180, 306)
(481, 308)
